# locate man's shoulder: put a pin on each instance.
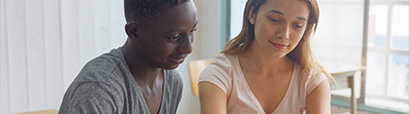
(107, 61)
(101, 74)
(105, 72)
(103, 67)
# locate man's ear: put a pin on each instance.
(131, 30)
(252, 17)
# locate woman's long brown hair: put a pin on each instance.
(302, 54)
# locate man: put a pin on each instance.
(137, 78)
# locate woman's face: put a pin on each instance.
(279, 26)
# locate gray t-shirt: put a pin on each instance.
(106, 86)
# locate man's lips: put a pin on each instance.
(177, 59)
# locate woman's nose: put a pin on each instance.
(283, 31)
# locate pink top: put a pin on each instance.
(225, 72)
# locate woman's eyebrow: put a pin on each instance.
(281, 13)
(275, 11)
(302, 18)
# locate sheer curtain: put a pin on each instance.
(45, 43)
(337, 42)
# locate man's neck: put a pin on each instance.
(141, 70)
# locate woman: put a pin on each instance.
(269, 67)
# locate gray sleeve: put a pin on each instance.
(92, 98)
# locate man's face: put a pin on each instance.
(166, 40)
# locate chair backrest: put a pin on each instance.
(41, 112)
(195, 67)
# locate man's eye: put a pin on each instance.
(194, 30)
(175, 37)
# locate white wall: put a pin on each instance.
(206, 46)
(45, 43)
(4, 98)
(208, 37)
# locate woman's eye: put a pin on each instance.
(274, 20)
(298, 25)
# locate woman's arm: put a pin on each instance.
(319, 100)
(212, 99)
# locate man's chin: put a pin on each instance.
(171, 67)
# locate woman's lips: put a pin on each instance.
(278, 45)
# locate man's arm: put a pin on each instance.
(90, 98)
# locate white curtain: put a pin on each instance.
(337, 43)
(45, 43)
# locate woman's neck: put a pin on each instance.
(258, 62)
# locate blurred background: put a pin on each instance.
(45, 43)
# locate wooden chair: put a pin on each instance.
(345, 79)
(41, 112)
(195, 67)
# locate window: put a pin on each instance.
(387, 76)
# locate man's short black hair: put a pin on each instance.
(137, 11)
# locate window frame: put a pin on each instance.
(387, 51)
